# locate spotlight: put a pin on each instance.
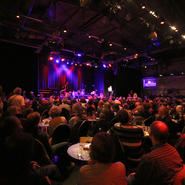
(143, 7)
(17, 16)
(76, 64)
(50, 58)
(110, 44)
(145, 67)
(72, 63)
(79, 55)
(67, 63)
(96, 67)
(57, 61)
(162, 22)
(174, 28)
(160, 75)
(65, 31)
(88, 64)
(183, 36)
(89, 36)
(104, 66)
(109, 65)
(63, 59)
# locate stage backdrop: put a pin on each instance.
(52, 75)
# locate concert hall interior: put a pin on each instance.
(92, 92)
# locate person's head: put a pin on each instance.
(158, 132)
(179, 109)
(123, 116)
(10, 125)
(102, 148)
(17, 90)
(13, 110)
(54, 111)
(77, 108)
(33, 119)
(163, 111)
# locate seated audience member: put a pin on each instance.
(77, 114)
(17, 99)
(129, 137)
(76, 121)
(57, 119)
(163, 115)
(100, 170)
(32, 127)
(16, 156)
(160, 165)
(179, 117)
(138, 115)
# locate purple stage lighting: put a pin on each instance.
(57, 61)
(67, 63)
(79, 55)
(104, 65)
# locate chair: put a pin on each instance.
(84, 128)
(61, 134)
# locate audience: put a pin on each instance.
(123, 118)
(161, 164)
(100, 170)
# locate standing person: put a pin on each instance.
(100, 169)
(16, 98)
(160, 166)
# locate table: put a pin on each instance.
(78, 152)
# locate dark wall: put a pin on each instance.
(128, 79)
(18, 67)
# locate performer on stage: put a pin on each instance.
(65, 89)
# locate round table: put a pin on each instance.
(79, 151)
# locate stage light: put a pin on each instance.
(183, 36)
(96, 67)
(81, 65)
(162, 22)
(50, 58)
(17, 16)
(173, 28)
(65, 31)
(72, 63)
(88, 64)
(171, 74)
(67, 63)
(76, 64)
(160, 75)
(145, 67)
(63, 59)
(89, 36)
(109, 65)
(110, 44)
(182, 73)
(125, 49)
(154, 14)
(79, 55)
(104, 66)
(57, 61)
(143, 7)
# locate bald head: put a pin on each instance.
(159, 130)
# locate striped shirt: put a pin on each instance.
(159, 166)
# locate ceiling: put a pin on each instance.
(127, 31)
